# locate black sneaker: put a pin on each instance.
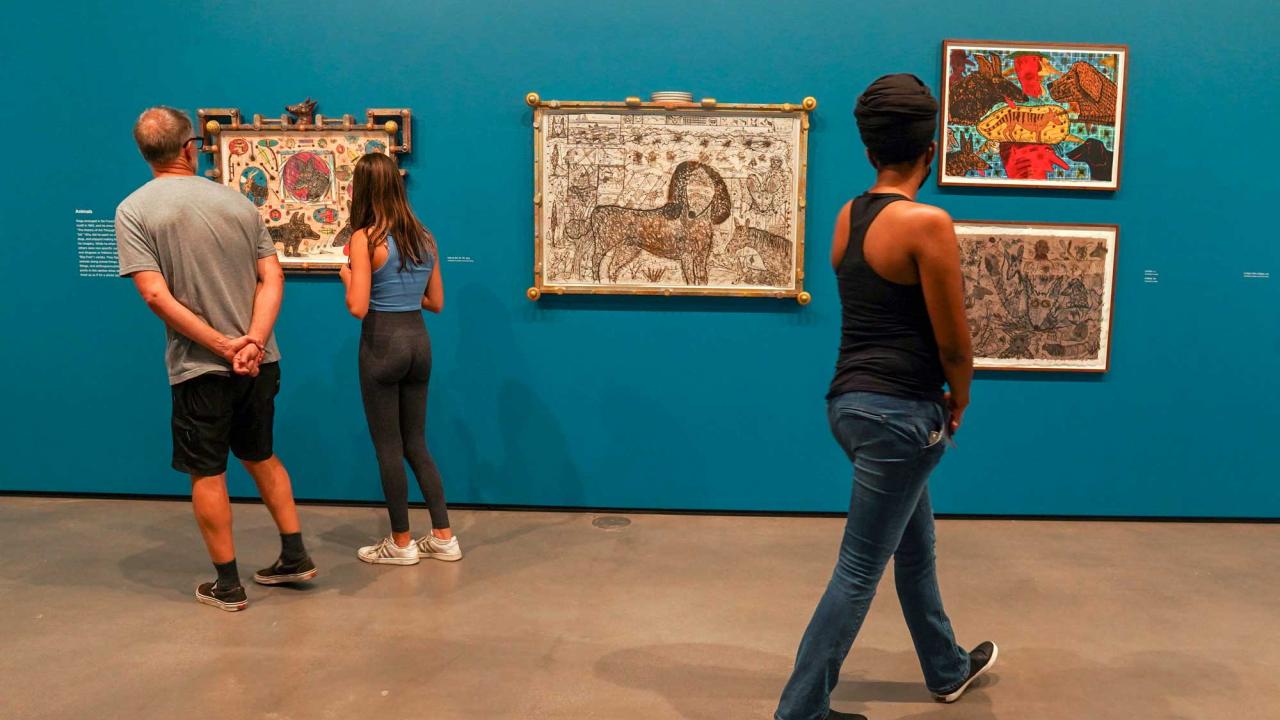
(229, 599)
(981, 659)
(286, 572)
(836, 715)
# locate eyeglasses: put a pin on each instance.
(199, 141)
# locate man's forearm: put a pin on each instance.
(267, 297)
(188, 324)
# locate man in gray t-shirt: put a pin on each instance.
(204, 262)
(205, 239)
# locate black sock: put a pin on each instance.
(291, 549)
(228, 575)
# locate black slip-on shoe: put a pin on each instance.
(837, 715)
(229, 599)
(981, 659)
(286, 572)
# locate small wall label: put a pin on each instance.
(96, 245)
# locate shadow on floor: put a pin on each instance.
(700, 681)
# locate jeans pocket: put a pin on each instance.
(859, 412)
(935, 437)
(937, 434)
(911, 427)
(924, 432)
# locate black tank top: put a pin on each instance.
(886, 339)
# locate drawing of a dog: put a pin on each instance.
(681, 230)
(1093, 153)
(774, 251)
(973, 95)
(1090, 94)
(292, 234)
(343, 237)
(960, 162)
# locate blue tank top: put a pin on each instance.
(396, 290)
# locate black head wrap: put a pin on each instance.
(897, 118)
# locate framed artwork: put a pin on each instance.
(1038, 295)
(297, 170)
(669, 198)
(1032, 115)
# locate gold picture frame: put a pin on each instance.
(634, 198)
(296, 168)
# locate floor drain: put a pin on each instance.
(611, 522)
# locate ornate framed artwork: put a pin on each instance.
(669, 198)
(1032, 115)
(1038, 296)
(297, 170)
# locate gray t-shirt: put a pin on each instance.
(205, 239)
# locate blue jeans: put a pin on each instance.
(894, 444)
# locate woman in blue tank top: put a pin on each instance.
(393, 275)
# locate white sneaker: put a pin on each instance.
(433, 547)
(386, 552)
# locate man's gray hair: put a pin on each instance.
(161, 132)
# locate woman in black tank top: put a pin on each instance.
(887, 343)
(903, 337)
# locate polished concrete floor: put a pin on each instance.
(670, 617)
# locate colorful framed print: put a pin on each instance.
(297, 170)
(1032, 115)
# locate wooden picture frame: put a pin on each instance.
(1039, 296)
(1003, 126)
(669, 198)
(297, 169)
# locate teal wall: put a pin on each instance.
(677, 403)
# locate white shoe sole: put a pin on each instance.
(283, 579)
(215, 602)
(442, 556)
(955, 695)
(390, 561)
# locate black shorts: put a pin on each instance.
(213, 413)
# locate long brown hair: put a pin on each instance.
(380, 208)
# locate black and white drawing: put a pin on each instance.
(658, 200)
(1038, 296)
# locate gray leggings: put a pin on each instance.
(395, 365)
